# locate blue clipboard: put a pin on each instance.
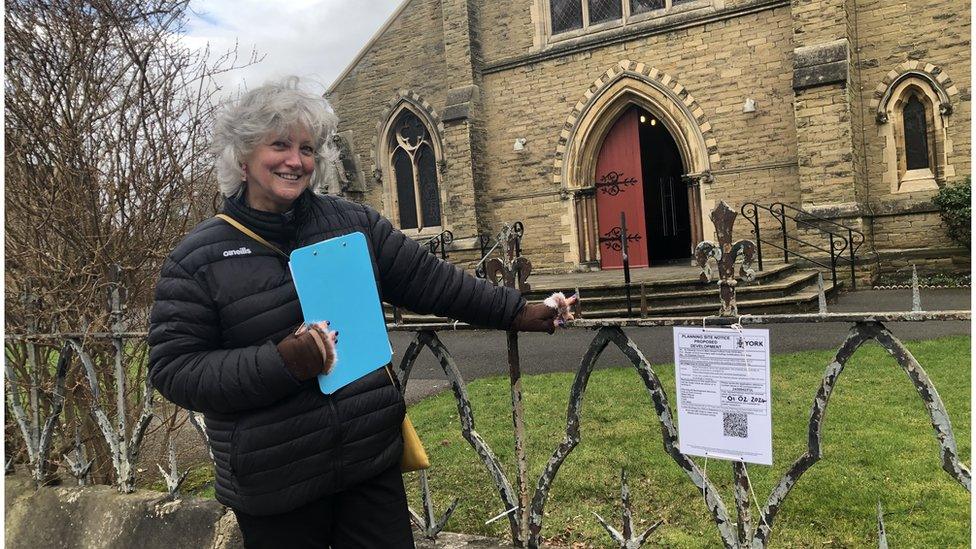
(334, 281)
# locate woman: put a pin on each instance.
(298, 468)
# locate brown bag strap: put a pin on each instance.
(255, 236)
(395, 384)
(251, 234)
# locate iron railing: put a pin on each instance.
(440, 241)
(524, 500)
(488, 246)
(834, 233)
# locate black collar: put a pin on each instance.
(276, 227)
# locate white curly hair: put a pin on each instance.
(273, 108)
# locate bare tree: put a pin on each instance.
(108, 116)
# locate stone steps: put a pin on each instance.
(780, 289)
(707, 296)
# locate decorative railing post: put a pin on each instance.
(33, 303)
(725, 254)
(37, 435)
(882, 535)
(429, 339)
(430, 524)
(626, 539)
(116, 295)
(513, 272)
(123, 444)
(77, 462)
(174, 479)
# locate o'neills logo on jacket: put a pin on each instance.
(239, 251)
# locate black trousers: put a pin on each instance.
(372, 514)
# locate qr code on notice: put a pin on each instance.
(735, 425)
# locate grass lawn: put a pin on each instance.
(878, 444)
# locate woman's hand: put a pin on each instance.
(326, 341)
(310, 351)
(553, 312)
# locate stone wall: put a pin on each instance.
(812, 66)
(506, 28)
(409, 56)
(893, 37)
(910, 230)
(97, 517)
(720, 64)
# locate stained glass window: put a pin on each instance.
(916, 135)
(406, 197)
(430, 201)
(415, 173)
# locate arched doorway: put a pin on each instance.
(666, 211)
(680, 119)
(639, 189)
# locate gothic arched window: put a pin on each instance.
(916, 134)
(414, 173)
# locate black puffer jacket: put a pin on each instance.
(223, 301)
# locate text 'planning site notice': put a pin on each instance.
(722, 378)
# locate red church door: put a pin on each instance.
(620, 188)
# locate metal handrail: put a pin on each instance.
(837, 243)
(825, 250)
(850, 230)
(855, 237)
(517, 228)
(811, 260)
(441, 239)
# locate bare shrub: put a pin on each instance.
(108, 116)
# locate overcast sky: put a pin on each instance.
(315, 39)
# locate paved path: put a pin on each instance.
(482, 353)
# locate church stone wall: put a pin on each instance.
(890, 35)
(408, 56)
(814, 144)
(720, 64)
(506, 28)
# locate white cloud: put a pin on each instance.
(314, 39)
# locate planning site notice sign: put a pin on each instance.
(722, 377)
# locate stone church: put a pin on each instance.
(572, 116)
